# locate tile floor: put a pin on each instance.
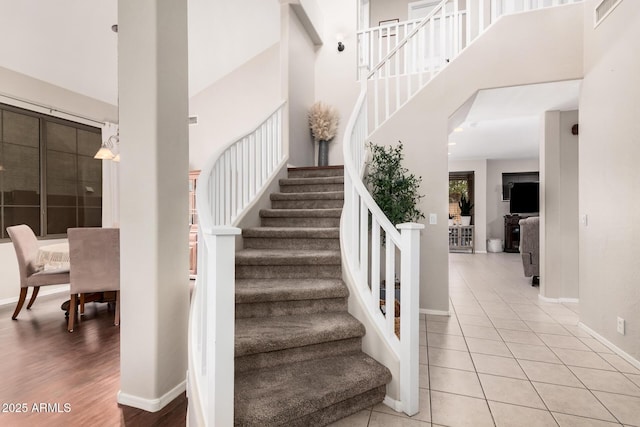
(505, 358)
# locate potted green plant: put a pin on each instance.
(323, 122)
(391, 185)
(465, 210)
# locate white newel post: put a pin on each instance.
(409, 316)
(220, 306)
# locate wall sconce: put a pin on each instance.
(107, 148)
(340, 38)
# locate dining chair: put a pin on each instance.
(31, 274)
(94, 257)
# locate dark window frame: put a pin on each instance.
(43, 119)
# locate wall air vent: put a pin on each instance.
(604, 9)
(193, 120)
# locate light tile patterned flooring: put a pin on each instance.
(505, 358)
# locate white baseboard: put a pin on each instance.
(480, 252)
(435, 312)
(42, 293)
(396, 405)
(620, 352)
(151, 405)
(558, 300)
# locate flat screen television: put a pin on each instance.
(525, 198)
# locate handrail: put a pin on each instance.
(363, 261)
(232, 180)
(205, 191)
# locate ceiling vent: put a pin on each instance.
(604, 9)
(193, 120)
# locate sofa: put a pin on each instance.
(530, 247)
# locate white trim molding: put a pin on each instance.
(152, 405)
(435, 312)
(396, 405)
(620, 352)
(63, 289)
(558, 300)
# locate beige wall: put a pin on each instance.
(234, 105)
(301, 91)
(609, 175)
(554, 54)
(383, 10)
(496, 208)
(336, 71)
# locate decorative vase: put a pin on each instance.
(465, 220)
(323, 153)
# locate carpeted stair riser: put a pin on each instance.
(256, 335)
(307, 391)
(288, 272)
(307, 204)
(314, 188)
(288, 308)
(264, 290)
(299, 238)
(271, 359)
(320, 218)
(275, 243)
(300, 222)
(315, 172)
(341, 409)
(308, 195)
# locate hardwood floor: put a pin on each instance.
(67, 379)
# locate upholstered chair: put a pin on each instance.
(26, 245)
(94, 255)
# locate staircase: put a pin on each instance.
(298, 357)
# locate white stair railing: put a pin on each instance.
(365, 230)
(403, 66)
(397, 60)
(230, 183)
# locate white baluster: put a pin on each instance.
(390, 286)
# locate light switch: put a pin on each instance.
(433, 218)
(583, 220)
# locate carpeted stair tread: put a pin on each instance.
(311, 195)
(301, 213)
(323, 180)
(281, 394)
(287, 257)
(263, 334)
(293, 232)
(264, 290)
(315, 171)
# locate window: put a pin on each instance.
(509, 178)
(49, 179)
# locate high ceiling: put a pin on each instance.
(69, 43)
(504, 123)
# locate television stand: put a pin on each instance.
(512, 233)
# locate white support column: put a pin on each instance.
(409, 317)
(153, 97)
